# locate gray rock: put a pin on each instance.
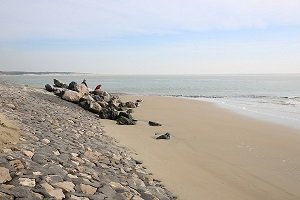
(11, 106)
(59, 84)
(166, 136)
(151, 123)
(27, 182)
(4, 175)
(130, 104)
(72, 86)
(87, 189)
(125, 121)
(4, 196)
(49, 88)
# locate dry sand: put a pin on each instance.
(213, 153)
(9, 132)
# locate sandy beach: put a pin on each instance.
(213, 153)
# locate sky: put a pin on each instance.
(151, 36)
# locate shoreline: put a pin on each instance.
(213, 153)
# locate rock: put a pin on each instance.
(28, 153)
(136, 183)
(98, 197)
(108, 114)
(127, 115)
(53, 179)
(4, 196)
(93, 156)
(73, 197)
(87, 189)
(125, 121)
(16, 164)
(45, 141)
(72, 96)
(56, 193)
(166, 136)
(27, 182)
(58, 83)
(11, 106)
(4, 175)
(130, 104)
(151, 123)
(72, 86)
(65, 185)
(81, 88)
(139, 101)
(49, 88)
(129, 111)
(117, 187)
(91, 106)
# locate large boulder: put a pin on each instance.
(130, 104)
(107, 113)
(124, 114)
(71, 96)
(73, 85)
(60, 84)
(125, 121)
(49, 88)
(81, 88)
(90, 105)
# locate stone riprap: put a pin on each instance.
(63, 153)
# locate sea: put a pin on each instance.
(271, 97)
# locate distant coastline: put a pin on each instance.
(39, 73)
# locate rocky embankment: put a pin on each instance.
(63, 153)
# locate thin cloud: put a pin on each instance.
(99, 19)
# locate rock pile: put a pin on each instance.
(63, 154)
(100, 102)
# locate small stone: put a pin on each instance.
(66, 185)
(165, 136)
(7, 150)
(151, 123)
(4, 175)
(56, 153)
(85, 175)
(93, 156)
(4, 196)
(16, 164)
(117, 187)
(87, 189)
(73, 197)
(74, 154)
(37, 173)
(38, 196)
(53, 178)
(56, 193)
(27, 182)
(72, 176)
(11, 106)
(45, 141)
(28, 153)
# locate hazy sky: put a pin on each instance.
(150, 36)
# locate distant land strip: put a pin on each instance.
(36, 73)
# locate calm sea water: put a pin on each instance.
(269, 97)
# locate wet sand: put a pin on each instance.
(213, 153)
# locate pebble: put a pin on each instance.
(4, 175)
(45, 141)
(27, 182)
(87, 189)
